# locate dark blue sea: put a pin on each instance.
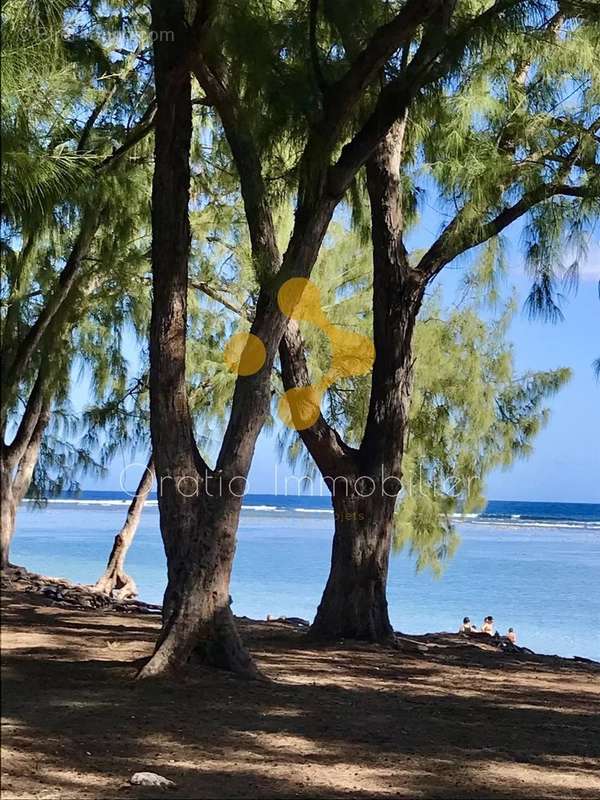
(533, 566)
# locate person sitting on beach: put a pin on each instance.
(511, 635)
(467, 626)
(488, 626)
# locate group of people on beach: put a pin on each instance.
(488, 627)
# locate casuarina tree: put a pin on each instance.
(512, 138)
(250, 62)
(73, 112)
(470, 411)
(348, 105)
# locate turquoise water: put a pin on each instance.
(541, 576)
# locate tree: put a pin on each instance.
(68, 134)
(497, 149)
(199, 531)
(115, 581)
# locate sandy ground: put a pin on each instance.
(459, 721)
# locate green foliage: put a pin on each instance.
(521, 118)
(61, 464)
(470, 411)
(514, 109)
(72, 95)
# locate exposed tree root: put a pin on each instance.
(217, 644)
(116, 583)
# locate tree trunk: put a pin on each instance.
(8, 512)
(198, 520)
(354, 603)
(198, 624)
(17, 465)
(115, 580)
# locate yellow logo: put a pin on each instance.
(245, 353)
(351, 353)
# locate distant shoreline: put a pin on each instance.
(83, 597)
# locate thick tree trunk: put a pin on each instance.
(115, 580)
(198, 624)
(198, 519)
(354, 603)
(366, 482)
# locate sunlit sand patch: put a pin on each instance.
(547, 778)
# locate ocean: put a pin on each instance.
(533, 566)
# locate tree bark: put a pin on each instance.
(354, 603)
(16, 468)
(198, 519)
(8, 512)
(115, 581)
(365, 482)
(198, 624)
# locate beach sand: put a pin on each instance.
(459, 720)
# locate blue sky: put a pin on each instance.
(565, 465)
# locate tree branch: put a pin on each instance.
(139, 132)
(209, 291)
(91, 120)
(33, 408)
(331, 454)
(28, 460)
(341, 96)
(89, 225)
(254, 195)
(434, 58)
(456, 240)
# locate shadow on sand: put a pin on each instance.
(342, 721)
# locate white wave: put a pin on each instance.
(83, 502)
(262, 508)
(284, 510)
(512, 521)
(531, 523)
